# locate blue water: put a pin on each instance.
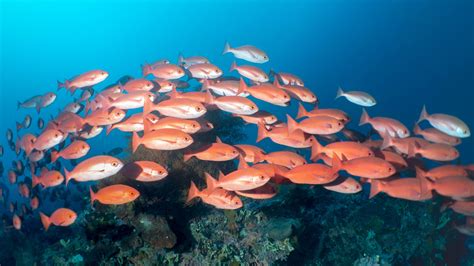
(404, 53)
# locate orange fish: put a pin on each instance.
(233, 104)
(368, 167)
(280, 135)
(34, 203)
(442, 172)
(401, 145)
(217, 197)
(192, 60)
(301, 93)
(132, 100)
(450, 186)
(77, 149)
(104, 117)
(436, 136)
(285, 158)
(137, 85)
(402, 188)
(216, 152)
(385, 125)
(176, 107)
(270, 93)
(261, 116)
(434, 151)
(394, 158)
(47, 178)
(48, 139)
(312, 174)
(16, 222)
(334, 113)
(288, 79)
(250, 153)
(26, 143)
(204, 71)
(251, 72)
(164, 71)
(319, 125)
(462, 207)
(275, 171)
(185, 125)
(224, 87)
(114, 195)
(244, 178)
(266, 191)
(344, 149)
(87, 79)
(133, 124)
(145, 171)
(60, 217)
(94, 168)
(346, 186)
(162, 139)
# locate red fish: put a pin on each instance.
(77, 149)
(60, 217)
(114, 195)
(217, 152)
(87, 79)
(217, 197)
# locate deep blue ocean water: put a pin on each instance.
(404, 53)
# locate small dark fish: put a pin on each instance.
(9, 135)
(180, 84)
(25, 124)
(222, 78)
(115, 151)
(1, 150)
(40, 123)
(2, 169)
(353, 135)
(20, 167)
(12, 146)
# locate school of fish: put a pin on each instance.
(161, 117)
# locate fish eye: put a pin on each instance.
(198, 108)
(252, 107)
(114, 164)
(262, 177)
(117, 113)
(102, 73)
(160, 172)
(236, 202)
(186, 138)
(370, 153)
(465, 131)
(194, 125)
(390, 169)
(234, 151)
(56, 135)
(338, 123)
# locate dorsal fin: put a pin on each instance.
(218, 140)
(242, 163)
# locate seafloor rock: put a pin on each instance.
(154, 231)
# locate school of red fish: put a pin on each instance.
(168, 118)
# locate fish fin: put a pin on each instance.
(173, 93)
(38, 108)
(364, 118)
(417, 129)
(34, 180)
(336, 163)
(425, 185)
(148, 106)
(292, 124)
(387, 141)
(108, 129)
(146, 69)
(205, 85)
(412, 149)
(420, 172)
(67, 175)
(242, 87)
(423, 115)
(339, 93)
(227, 48)
(262, 132)
(60, 85)
(209, 98)
(92, 195)
(54, 155)
(242, 163)
(218, 140)
(301, 111)
(45, 221)
(211, 182)
(276, 83)
(180, 59)
(135, 142)
(445, 206)
(193, 192)
(375, 188)
(316, 149)
(233, 66)
(187, 156)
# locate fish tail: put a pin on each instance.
(339, 93)
(180, 59)
(135, 141)
(38, 108)
(34, 180)
(146, 69)
(387, 141)
(227, 48)
(292, 124)
(364, 118)
(424, 114)
(67, 175)
(425, 185)
(109, 128)
(18, 105)
(61, 85)
(417, 129)
(18, 126)
(205, 85)
(316, 149)
(54, 155)
(45, 221)
(193, 192)
(336, 163)
(413, 150)
(187, 156)
(233, 66)
(301, 111)
(375, 188)
(445, 206)
(420, 173)
(211, 183)
(92, 195)
(242, 87)
(209, 98)
(147, 106)
(262, 132)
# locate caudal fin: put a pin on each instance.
(34, 180)
(67, 175)
(420, 173)
(92, 195)
(426, 185)
(226, 48)
(187, 156)
(61, 85)
(387, 141)
(301, 111)
(316, 149)
(242, 87)
(193, 192)
(146, 69)
(424, 114)
(417, 129)
(292, 124)
(54, 155)
(262, 132)
(364, 118)
(233, 66)
(375, 188)
(109, 128)
(45, 221)
(147, 106)
(336, 163)
(339, 93)
(211, 182)
(135, 141)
